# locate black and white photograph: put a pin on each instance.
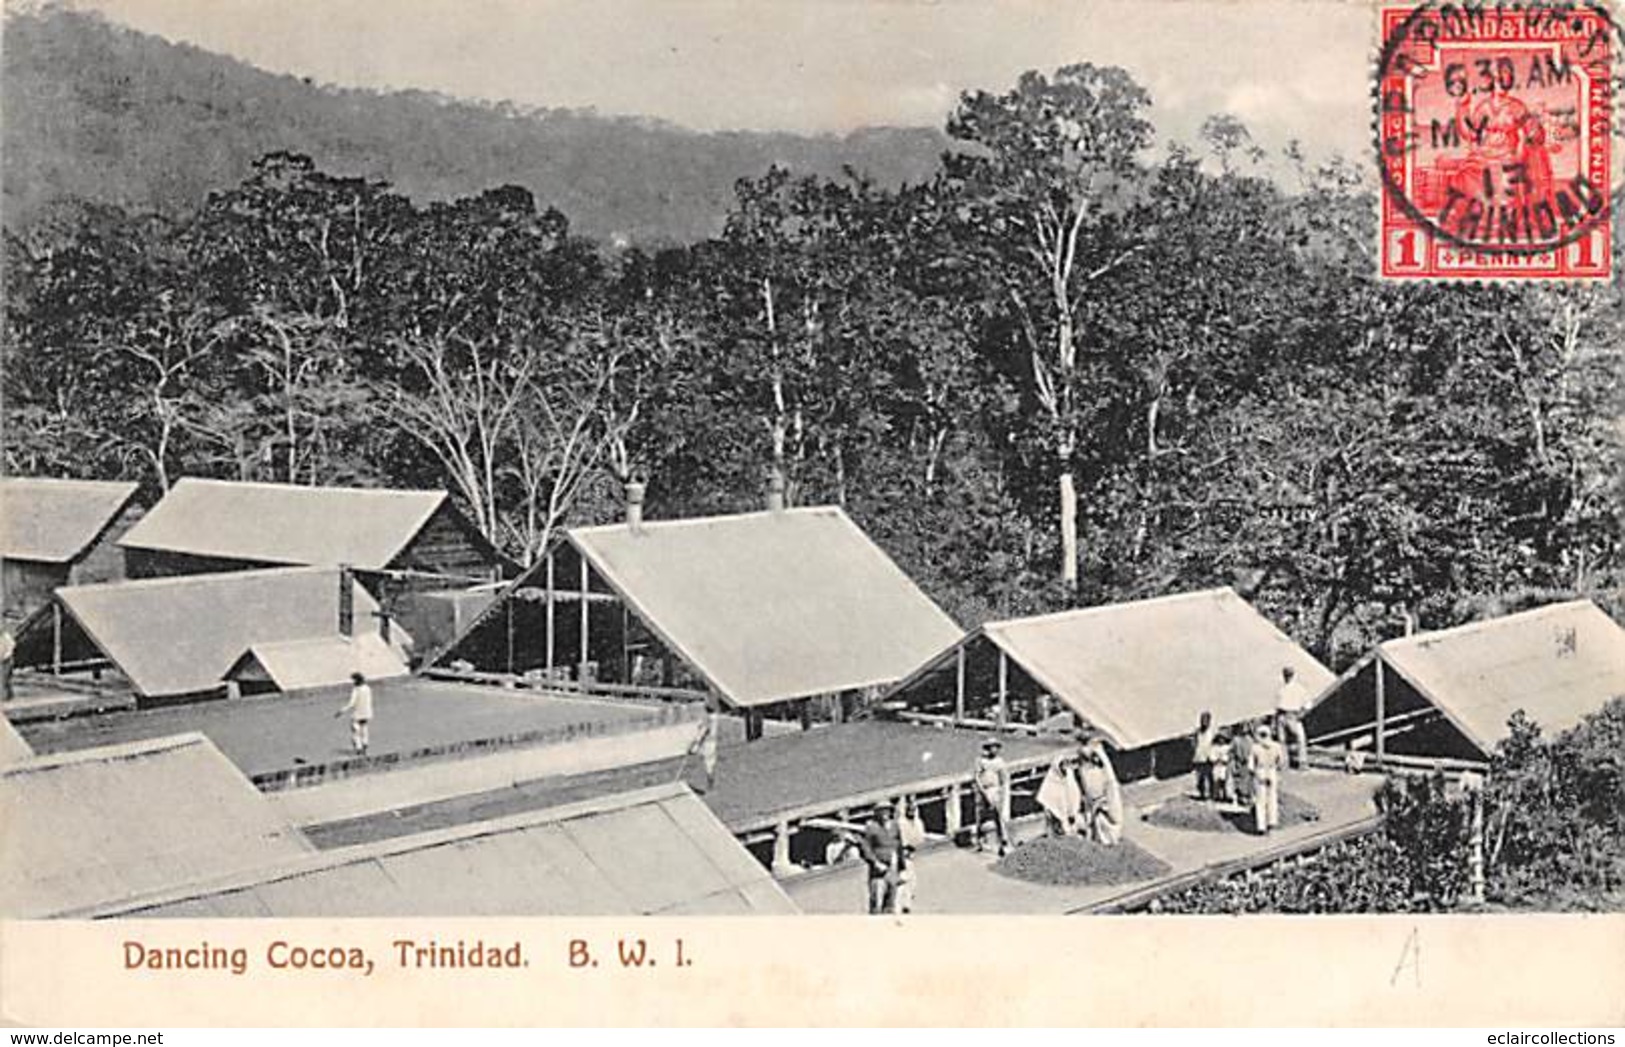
(895, 459)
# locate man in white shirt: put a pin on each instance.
(1290, 702)
(911, 830)
(1266, 759)
(360, 709)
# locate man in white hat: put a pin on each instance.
(1266, 761)
(991, 785)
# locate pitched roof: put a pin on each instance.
(1557, 663)
(285, 523)
(655, 851)
(328, 661)
(102, 825)
(773, 605)
(183, 634)
(1143, 672)
(12, 745)
(54, 521)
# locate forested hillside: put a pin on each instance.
(104, 113)
(1051, 372)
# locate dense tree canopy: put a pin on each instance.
(1061, 370)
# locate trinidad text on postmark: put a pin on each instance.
(1494, 141)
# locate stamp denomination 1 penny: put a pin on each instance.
(1495, 141)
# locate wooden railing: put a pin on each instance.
(521, 681)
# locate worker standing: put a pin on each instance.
(1061, 798)
(360, 709)
(1241, 764)
(911, 835)
(1267, 759)
(1102, 795)
(991, 785)
(706, 746)
(1290, 703)
(1202, 756)
(882, 847)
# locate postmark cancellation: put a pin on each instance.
(1495, 141)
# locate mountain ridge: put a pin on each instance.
(101, 112)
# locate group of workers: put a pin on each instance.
(1245, 768)
(1081, 796)
(888, 845)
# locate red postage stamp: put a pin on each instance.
(1494, 132)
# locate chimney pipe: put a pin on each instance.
(634, 506)
(775, 491)
(346, 601)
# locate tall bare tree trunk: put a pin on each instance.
(1069, 529)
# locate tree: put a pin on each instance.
(1043, 182)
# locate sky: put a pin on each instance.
(1287, 68)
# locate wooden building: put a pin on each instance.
(1449, 694)
(401, 544)
(59, 532)
(170, 638)
(765, 612)
(1137, 674)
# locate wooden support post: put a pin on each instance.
(781, 850)
(626, 645)
(56, 639)
(806, 713)
(753, 724)
(581, 663)
(509, 617)
(954, 816)
(1475, 869)
(1382, 712)
(550, 631)
(959, 683)
(1004, 688)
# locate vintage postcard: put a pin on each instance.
(552, 512)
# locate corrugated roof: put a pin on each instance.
(1142, 672)
(102, 825)
(657, 851)
(298, 665)
(285, 523)
(54, 521)
(12, 745)
(774, 605)
(183, 634)
(1557, 663)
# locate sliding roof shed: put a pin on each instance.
(1139, 674)
(221, 525)
(171, 637)
(99, 826)
(1449, 693)
(59, 532)
(402, 544)
(657, 851)
(760, 608)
